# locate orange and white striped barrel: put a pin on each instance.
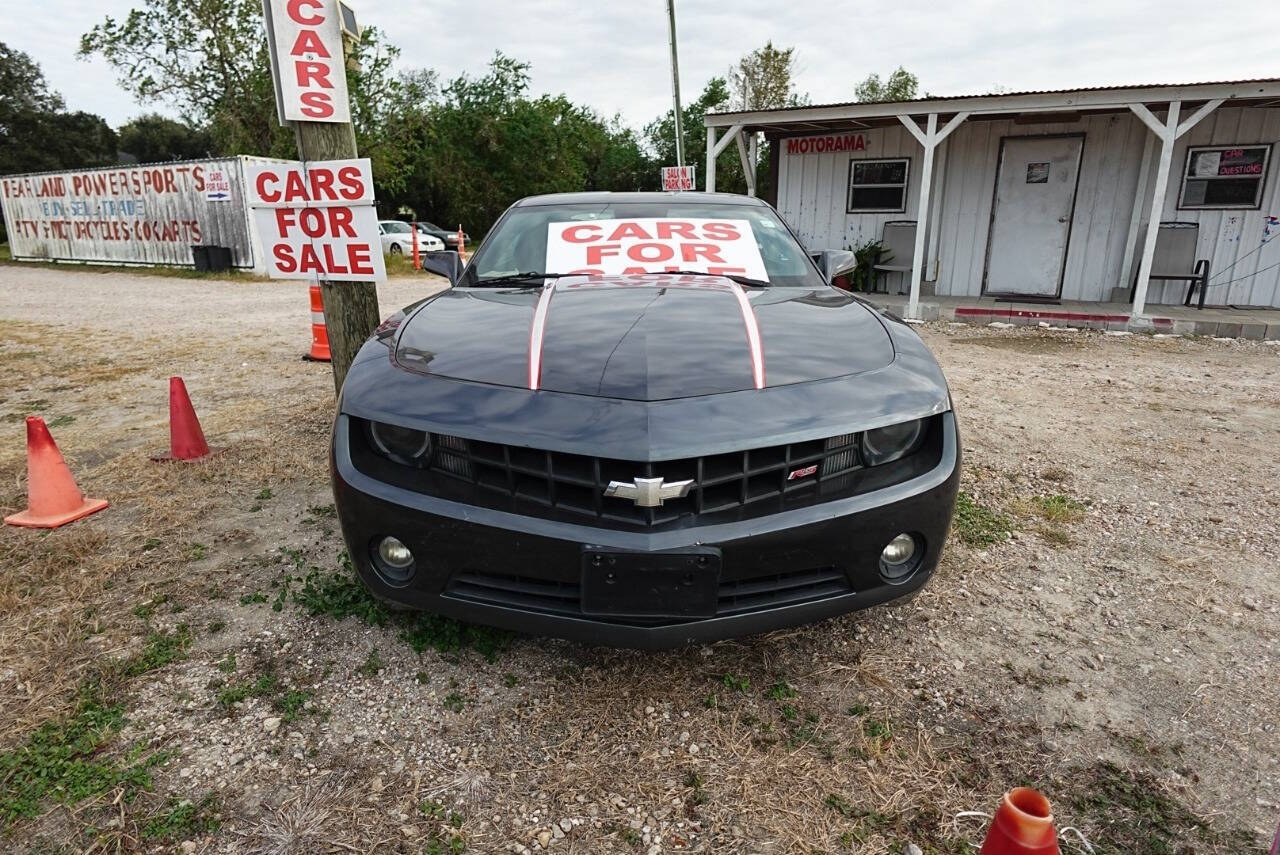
(319, 335)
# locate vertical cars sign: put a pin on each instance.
(317, 220)
(306, 49)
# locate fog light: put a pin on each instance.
(393, 561)
(397, 555)
(899, 550)
(900, 558)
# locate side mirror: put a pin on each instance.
(445, 262)
(833, 262)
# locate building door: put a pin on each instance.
(1031, 221)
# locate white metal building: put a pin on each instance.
(1038, 195)
(150, 213)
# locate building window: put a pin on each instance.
(878, 186)
(1224, 177)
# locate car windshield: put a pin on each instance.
(431, 227)
(395, 228)
(746, 241)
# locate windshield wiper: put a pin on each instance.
(741, 280)
(509, 278)
(516, 277)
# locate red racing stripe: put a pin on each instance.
(536, 330)
(753, 333)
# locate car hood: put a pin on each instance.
(643, 337)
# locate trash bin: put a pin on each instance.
(211, 259)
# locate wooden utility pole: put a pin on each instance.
(308, 42)
(350, 308)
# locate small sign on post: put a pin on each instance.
(317, 221)
(217, 186)
(679, 177)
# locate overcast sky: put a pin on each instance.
(612, 54)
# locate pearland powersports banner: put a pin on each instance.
(654, 245)
(135, 214)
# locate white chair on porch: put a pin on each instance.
(899, 242)
(1175, 260)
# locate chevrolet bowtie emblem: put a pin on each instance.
(649, 492)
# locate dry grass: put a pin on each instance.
(310, 820)
(67, 596)
(839, 760)
(832, 738)
(1052, 516)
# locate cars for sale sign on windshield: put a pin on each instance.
(654, 245)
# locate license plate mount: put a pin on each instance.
(683, 583)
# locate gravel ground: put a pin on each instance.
(1104, 624)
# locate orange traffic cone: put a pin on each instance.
(186, 439)
(1023, 825)
(462, 244)
(319, 334)
(53, 499)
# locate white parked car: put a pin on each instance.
(397, 238)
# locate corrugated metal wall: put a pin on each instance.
(145, 214)
(812, 192)
(1233, 247)
(1110, 159)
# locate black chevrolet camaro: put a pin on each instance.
(644, 420)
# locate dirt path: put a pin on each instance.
(1104, 624)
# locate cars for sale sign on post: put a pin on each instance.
(678, 178)
(654, 245)
(317, 220)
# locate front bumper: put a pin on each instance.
(821, 560)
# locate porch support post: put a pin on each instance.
(928, 139)
(1135, 217)
(748, 163)
(714, 147)
(1167, 132)
(711, 161)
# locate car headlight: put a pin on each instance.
(886, 444)
(403, 445)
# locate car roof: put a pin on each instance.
(602, 197)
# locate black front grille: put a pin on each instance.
(722, 483)
(740, 596)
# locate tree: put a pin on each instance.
(902, 85)
(22, 85)
(210, 61)
(35, 132)
(152, 138)
(761, 80)
(485, 142)
(661, 136)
